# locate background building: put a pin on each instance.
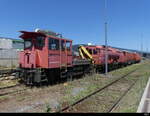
(9, 43)
(9, 52)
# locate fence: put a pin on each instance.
(9, 58)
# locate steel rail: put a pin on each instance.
(117, 102)
(7, 87)
(95, 92)
(12, 92)
(6, 71)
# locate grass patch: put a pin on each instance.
(94, 82)
(131, 101)
(48, 109)
(3, 98)
(6, 83)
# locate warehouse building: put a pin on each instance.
(9, 43)
(9, 51)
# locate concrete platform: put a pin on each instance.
(144, 106)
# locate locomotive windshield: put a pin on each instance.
(53, 44)
(38, 43)
(27, 43)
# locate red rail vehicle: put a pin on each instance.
(48, 57)
(98, 55)
(116, 57)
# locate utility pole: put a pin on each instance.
(106, 46)
(147, 49)
(141, 45)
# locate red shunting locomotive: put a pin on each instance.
(47, 57)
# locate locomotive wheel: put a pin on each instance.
(30, 79)
(17, 75)
(69, 76)
(93, 70)
(52, 80)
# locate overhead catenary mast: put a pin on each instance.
(106, 45)
(147, 47)
(141, 45)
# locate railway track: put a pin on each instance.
(6, 72)
(12, 92)
(117, 102)
(99, 90)
(12, 89)
(7, 87)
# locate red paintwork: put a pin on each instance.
(56, 60)
(99, 58)
(137, 57)
(114, 55)
(42, 57)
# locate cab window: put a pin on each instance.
(63, 46)
(53, 44)
(90, 51)
(68, 45)
(40, 41)
(98, 50)
(27, 43)
(94, 52)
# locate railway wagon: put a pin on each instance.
(130, 58)
(116, 57)
(98, 54)
(122, 59)
(137, 58)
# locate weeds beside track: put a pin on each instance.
(95, 92)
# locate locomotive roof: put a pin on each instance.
(95, 46)
(127, 51)
(27, 34)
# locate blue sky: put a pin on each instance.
(80, 20)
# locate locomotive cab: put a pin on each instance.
(43, 55)
(34, 49)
